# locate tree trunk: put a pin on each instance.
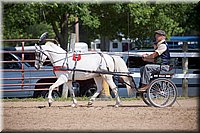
(62, 36)
(104, 43)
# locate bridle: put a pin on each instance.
(40, 52)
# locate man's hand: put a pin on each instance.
(148, 58)
(144, 57)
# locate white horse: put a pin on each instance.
(90, 61)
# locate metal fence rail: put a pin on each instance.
(41, 81)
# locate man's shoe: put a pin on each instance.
(143, 89)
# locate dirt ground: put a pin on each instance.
(102, 116)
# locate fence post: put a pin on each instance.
(65, 91)
(22, 59)
(185, 71)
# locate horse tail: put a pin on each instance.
(120, 66)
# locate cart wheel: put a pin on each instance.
(162, 93)
(145, 99)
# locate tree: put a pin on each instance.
(62, 18)
(139, 20)
(16, 18)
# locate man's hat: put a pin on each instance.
(160, 32)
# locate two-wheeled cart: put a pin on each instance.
(162, 92)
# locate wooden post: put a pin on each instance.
(77, 29)
(72, 42)
(185, 71)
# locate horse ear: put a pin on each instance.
(43, 38)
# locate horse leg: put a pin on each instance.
(61, 79)
(115, 91)
(112, 85)
(74, 101)
(98, 80)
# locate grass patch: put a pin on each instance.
(22, 99)
(78, 98)
(42, 99)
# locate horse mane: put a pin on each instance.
(55, 47)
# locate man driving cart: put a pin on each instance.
(160, 58)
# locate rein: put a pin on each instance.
(65, 58)
(99, 72)
(74, 69)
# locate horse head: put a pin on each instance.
(40, 56)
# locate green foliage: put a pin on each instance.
(140, 20)
(145, 18)
(87, 17)
(16, 18)
(34, 31)
(62, 18)
(134, 20)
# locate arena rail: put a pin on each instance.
(184, 55)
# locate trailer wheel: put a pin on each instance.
(55, 94)
(42, 93)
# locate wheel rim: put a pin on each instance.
(145, 98)
(90, 92)
(162, 93)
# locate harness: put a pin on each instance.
(102, 57)
(76, 58)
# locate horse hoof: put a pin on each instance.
(50, 101)
(116, 106)
(50, 104)
(74, 105)
(90, 103)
